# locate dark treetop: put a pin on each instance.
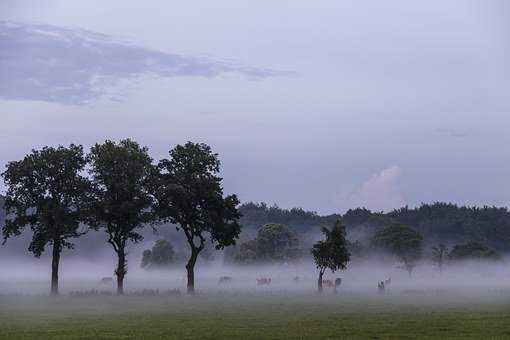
(45, 191)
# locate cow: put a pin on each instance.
(225, 279)
(106, 280)
(263, 281)
(387, 282)
(328, 283)
(380, 287)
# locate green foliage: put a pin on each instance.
(402, 241)
(273, 243)
(451, 223)
(332, 253)
(45, 191)
(256, 214)
(473, 251)
(120, 199)
(161, 255)
(189, 194)
(247, 252)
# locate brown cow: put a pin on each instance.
(328, 283)
(263, 281)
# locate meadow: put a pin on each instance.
(259, 315)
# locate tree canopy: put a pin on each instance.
(161, 255)
(472, 251)
(402, 241)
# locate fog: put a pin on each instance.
(23, 275)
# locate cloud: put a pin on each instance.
(380, 192)
(74, 66)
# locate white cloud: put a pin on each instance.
(380, 192)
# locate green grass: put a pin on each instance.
(255, 317)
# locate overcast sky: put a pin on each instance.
(326, 105)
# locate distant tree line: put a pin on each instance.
(438, 222)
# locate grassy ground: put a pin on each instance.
(255, 317)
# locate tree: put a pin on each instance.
(274, 242)
(120, 201)
(45, 191)
(247, 252)
(161, 255)
(473, 251)
(332, 252)
(439, 254)
(189, 195)
(403, 242)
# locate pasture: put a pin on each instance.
(260, 315)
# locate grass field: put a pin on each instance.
(267, 316)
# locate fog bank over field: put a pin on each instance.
(26, 275)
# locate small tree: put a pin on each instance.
(332, 252)
(247, 252)
(120, 196)
(439, 254)
(189, 194)
(274, 242)
(45, 191)
(473, 251)
(161, 255)
(403, 242)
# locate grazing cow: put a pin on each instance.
(387, 282)
(106, 280)
(263, 281)
(328, 284)
(225, 279)
(380, 287)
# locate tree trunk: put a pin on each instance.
(319, 282)
(190, 267)
(55, 261)
(120, 272)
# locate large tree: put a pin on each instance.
(332, 252)
(45, 191)
(402, 241)
(189, 195)
(120, 197)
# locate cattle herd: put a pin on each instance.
(266, 281)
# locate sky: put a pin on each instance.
(325, 105)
